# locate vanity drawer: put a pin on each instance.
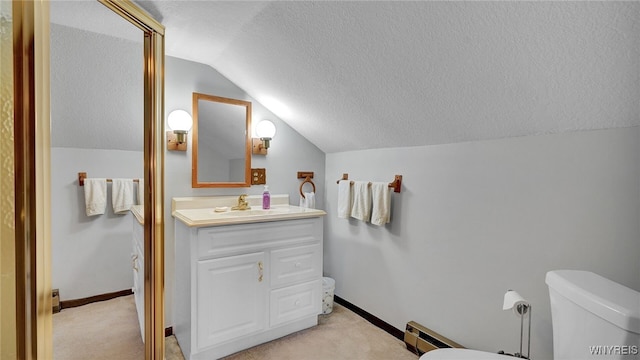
(228, 240)
(295, 302)
(292, 265)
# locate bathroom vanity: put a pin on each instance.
(244, 277)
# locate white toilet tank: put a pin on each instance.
(593, 317)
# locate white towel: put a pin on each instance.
(95, 196)
(308, 201)
(140, 191)
(122, 195)
(344, 199)
(361, 207)
(381, 203)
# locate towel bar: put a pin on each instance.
(83, 175)
(396, 184)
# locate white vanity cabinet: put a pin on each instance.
(244, 284)
(137, 265)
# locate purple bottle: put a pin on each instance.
(266, 198)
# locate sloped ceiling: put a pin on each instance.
(374, 74)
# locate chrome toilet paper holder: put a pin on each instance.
(522, 309)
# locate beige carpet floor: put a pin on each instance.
(101, 330)
(342, 334)
(109, 330)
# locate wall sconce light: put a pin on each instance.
(265, 131)
(180, 122)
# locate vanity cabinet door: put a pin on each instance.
(231, 298)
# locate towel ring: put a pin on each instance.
(307, 180)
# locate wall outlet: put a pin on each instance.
(258, 176)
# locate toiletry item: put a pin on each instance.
(266, 198)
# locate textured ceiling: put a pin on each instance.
(94, 17)
(360, 75)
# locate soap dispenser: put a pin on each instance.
(266, 198)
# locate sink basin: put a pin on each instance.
(252, 212)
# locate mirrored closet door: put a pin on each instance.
(97, 128)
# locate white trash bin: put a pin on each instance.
(328, 287)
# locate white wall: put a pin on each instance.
(288, 154)
(476, 219)
(91, 255)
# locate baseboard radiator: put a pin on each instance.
(420, 339)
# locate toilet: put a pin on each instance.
(593, 318)
(589, 313)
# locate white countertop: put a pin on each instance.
(208, 217)
(201, 211)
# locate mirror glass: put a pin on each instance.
(100, 90)
(221, 142)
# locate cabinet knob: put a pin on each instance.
(297, 303)
(297, 265)
(260, 271)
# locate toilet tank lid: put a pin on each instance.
(607, 299)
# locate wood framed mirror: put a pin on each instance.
(221, 150)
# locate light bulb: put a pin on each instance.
(180, 120)
(265, 129)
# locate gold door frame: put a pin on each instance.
(32, 176)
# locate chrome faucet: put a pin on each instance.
(242, 203)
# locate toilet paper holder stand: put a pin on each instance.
(522, 309)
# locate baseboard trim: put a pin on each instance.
(102, 297)
(395, 332)
(392, 330)
(91, 299)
